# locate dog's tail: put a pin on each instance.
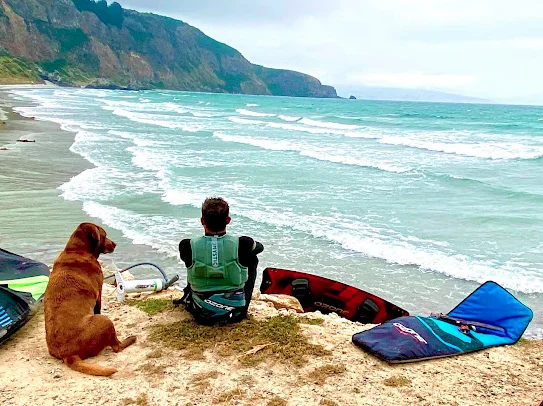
(77, 364)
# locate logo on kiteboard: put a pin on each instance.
(331, 308)
(409, 332)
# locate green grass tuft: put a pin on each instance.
(151, 306)
(152, 369)
(277, 401)
(313, 322)
(396, 381)
(524, 342)
(201, 381)
(320, 374)
(280, 339)
(228, 396)
(141, 400)
(157, 353)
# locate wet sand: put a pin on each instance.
(35, 220)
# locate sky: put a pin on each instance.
(483, 48)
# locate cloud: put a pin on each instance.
(234, 12)
(411, 80)
(526, 44)
(485, 48)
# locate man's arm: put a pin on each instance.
(247, 253)
(185, 252)
(248, 250)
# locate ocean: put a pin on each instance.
(416, 202)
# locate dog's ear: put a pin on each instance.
(94, 237)
(92, 231)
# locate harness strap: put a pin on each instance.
(462, 324)
(186, 293)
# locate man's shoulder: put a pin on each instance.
(247, 242)
(184, 244)
(245, 238)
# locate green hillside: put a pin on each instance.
(16, 70)
(93, 44)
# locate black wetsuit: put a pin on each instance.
(248, 249)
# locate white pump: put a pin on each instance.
(141, 285)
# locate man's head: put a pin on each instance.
(215, 214)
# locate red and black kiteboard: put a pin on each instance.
(318, 293)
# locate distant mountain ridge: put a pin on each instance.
(93, 44)
(401, 94)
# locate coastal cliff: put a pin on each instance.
(87, 43)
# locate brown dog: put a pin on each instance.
(74, 328)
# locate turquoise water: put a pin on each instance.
(417, 202)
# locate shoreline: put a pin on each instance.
(24, 171)
(29, 183)
(13, 125)
(64, 215)
(151, 373)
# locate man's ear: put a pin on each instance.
(202, 221)
(228, 220)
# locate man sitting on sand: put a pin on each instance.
(221, 269)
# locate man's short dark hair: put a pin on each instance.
(215, 211)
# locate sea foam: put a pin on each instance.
(288, 118)
(376, 243)
(326, 124)
(158, 232)
(307, 150)
(245, 112)
(240, 120)
(488, 150)
(258, 142)
(157, 120)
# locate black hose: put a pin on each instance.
(174, 279)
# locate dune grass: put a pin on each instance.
(252, 341)
(231, 395)
(396, 381)
(320, 374)
(141, 400)
(277, 401)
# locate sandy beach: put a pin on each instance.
(151, 373)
